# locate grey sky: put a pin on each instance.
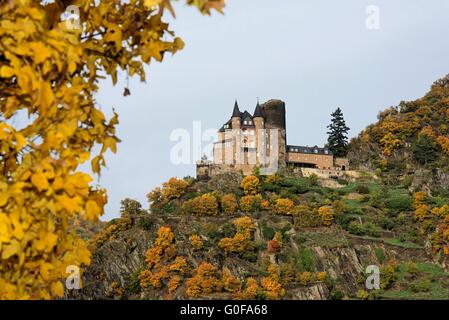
(314, 55)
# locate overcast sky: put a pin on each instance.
(314, 55)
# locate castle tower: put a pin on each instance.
(259, 124)
(236, 125)
(274, 112)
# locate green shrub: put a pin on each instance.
(407, 182)
(295, 185)
(399, 202)
(380, 255)
(250, 256)
(356, 228)
(145, 223)
(387, 223)
(268, 232)
(133, 282)
(421, 285)
(306, 260)
(300, 239)
(337, 295)
(362, 189)
(344, 220)
(367, 228)
(271, 187)
(228, 229)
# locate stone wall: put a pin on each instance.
(341, 163)
(329, 173)
(322, 161)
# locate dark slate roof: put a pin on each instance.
(258, 111)
(236, 112)
(246, 115)
(306, 149)
(222, 129)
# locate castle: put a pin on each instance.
(246, 141)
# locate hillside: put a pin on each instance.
(287, 238)
(409, 143)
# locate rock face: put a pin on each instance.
(430, 180)
(118, 261)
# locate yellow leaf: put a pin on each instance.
(11, 249)
(152, 3)
(5, 228)
(92, 210)
(46, 95)
(114, 34)
(41, 52)
(39, 180)
(58, 184)
(57, 289)
(96, 164)
(110, 143)
(3, 198)
(34, 13)
(72, 205)
(50, 241)
(20, 141)
(44, 270)
(6, 72)
(72, 67)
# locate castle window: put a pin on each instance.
(316, 151)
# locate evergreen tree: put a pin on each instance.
(425, 150)
(337, 140)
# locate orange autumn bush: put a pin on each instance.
(250, 203)
(272, 285)
(250, 291)
(284, 206)
(204, 281)
(205, 205)
(196, 242)
(242, 240)
(230, 283)
(229, 203)
(327, 215)
(163, 267)
(250, 185)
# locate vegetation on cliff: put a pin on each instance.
(274, 250)
(289, 236)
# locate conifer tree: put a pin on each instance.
(337, 141)
(425, 150)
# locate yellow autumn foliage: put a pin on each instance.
(250, 185)
(50, 70)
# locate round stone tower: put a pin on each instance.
(274, 113)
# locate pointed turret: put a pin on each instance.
(236, 111)
(258, 111)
